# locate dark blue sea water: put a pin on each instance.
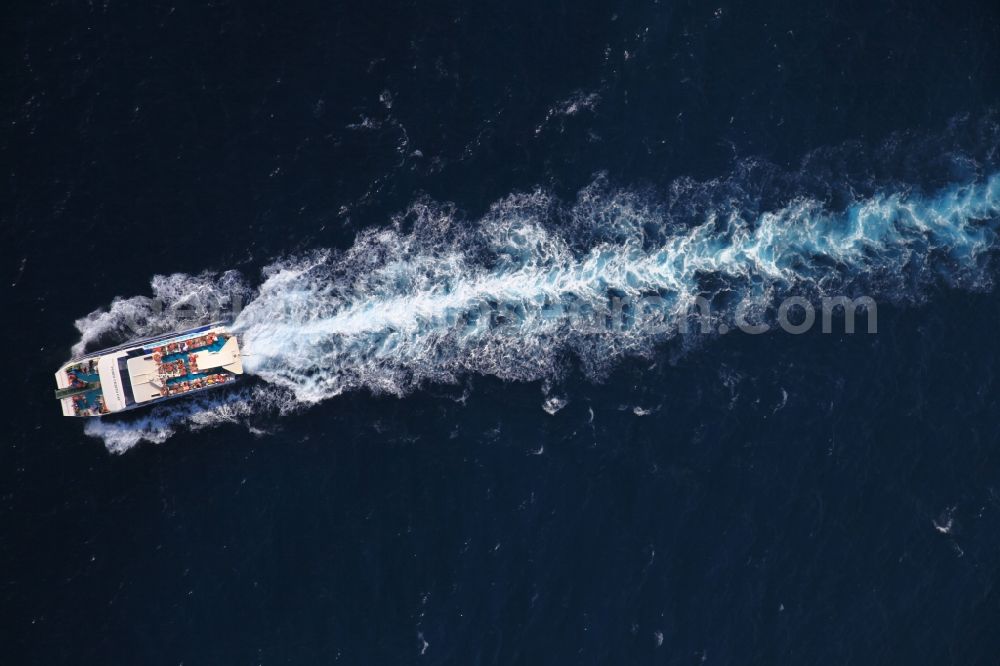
(448, 452)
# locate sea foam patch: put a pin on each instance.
(513, 295)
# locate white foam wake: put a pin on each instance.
(533, 284)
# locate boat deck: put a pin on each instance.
(182, 355)
(148, 371)
(88, 402)
(173, 368)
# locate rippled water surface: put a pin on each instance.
(464, 246)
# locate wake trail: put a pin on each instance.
(536, 282)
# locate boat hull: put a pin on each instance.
(149, 371)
